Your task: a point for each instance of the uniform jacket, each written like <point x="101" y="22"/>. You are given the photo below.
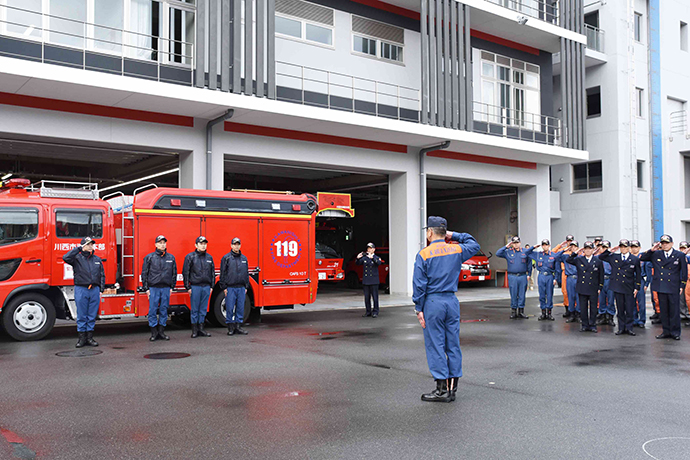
<point x="517" y="260"/>
<point x="670" y="274"/>
<point x="370" y="274"/>
<point x="437" y="267"/>
<point x="647" y="272"/>
<point x="545" y="263"/>
<point x="590" y="275"/>
<point x="625" y="276"/>
<point x="88" y="268"/>
<point x="198" y="270"/>
<point x="570" y="270"/>
<point x="159" y="270"/>
<point x="234" y="271"/>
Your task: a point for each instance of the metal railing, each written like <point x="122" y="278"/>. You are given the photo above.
<point x="595" y="38"/>
<point x="516" y="124"/>
<point x="679" y="124"/>
<point x="547" y="10"/>
<point x="68" y="33"/>
<point x="346" y="92"/>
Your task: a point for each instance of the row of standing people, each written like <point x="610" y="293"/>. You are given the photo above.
<point x="159" y="277"/>
<point x="601" y="279"/>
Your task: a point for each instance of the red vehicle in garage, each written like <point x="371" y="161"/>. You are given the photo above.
<point x="475" y="269"/>
<point x="38" y="225"/>
<point x="329" y="262"/>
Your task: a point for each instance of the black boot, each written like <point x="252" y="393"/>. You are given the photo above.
<point x="611" y="321"/>
<point x="654" y="316"/>
<point x="82" y="340"/>
<point x="513" y="313"/>
<point x="453" y="387"/>
<point x="521" y="313"/>
<point x="161" y="333"/>
<point x="567" y="313"/>
<point x="231" y="328"/>
<point x="195" y="330"/>
<point x="154" y="334"/>
<point x="542" y="317"/>
<point x="574" y="318"/>
<point x="549" y="316"/>
<point x="440" y="394"/>
<point x="89" y="339"/>
<point x="202" y="332"/>
<point x="239" y="330"/>
<point x="602" y="319"/>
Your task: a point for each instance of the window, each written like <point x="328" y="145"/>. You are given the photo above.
<point x="594" y="102"/>
<point x="638" y="27"/>
<point x="377" y="39"/>
<point x="587" y="176"/>
<point x="639" y="101"/>
<point x="296" y="28"/>
<point x="18" y="225"/>
<point x="319" y="34"/>
<point x="289" y="27"/>
<point x="640" y="174"/>
<point x="305" y="21"/>
<point x="364" y="45"/>
<point x="21" y="17"/>
<point x="683" y="36"/>
<point x="392" y="52"/>
<point x="78" y="224"/>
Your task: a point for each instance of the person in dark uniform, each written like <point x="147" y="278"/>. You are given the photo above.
<point x="670" y="278"/>
<point x="640" y="312"/>
<point x="89" y="283"/>
<point x="519" y="264"/>
<point x="158" y="278"/>
<point x="234" y="280"/>
<point x="561" y="277"/>
<point x="370" y="279"/>
<point x="436" y="272"/>
<point x="590" y="280"/>
<point x="199" y="275"/>
<point x="687" y="288"/>
<point x="625" y="283"/>
<point x="607" y="309"/>
<point x="546" y="266"/>
<point x="683" y="247"/>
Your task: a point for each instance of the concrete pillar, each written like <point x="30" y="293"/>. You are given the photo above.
<point x="405" y="228"/>
<point x="193" y="169"/>
<point x="534" y="209"/>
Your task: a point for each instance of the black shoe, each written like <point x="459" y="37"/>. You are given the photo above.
<point x="89" y="339"/>
<point x="656" y="321"/>
<point x="440" y="394"/>
<point x="567" y="313"/>
<point x="664" y="336"/>
<point x="154" y="334"/>
<point x="542" y="317"/>
<point x="641" y="326"/>
<point x="675" y="337"/>
<point x="366" y="314"/>
<point x="453" y="387"/>
<point x="82" y="340"/>
<point x="549" y="316"/>
<point x="374" y="315"/>
<point x="231" y="328"/>
<point x="654" y="316"/>
<point x="161" y="333"/>
<point x="583" y="329"/>
<point x="202" y="332"/>
<point x="195" y="331"/>
<point x="620" y="332"/>
<point x="239" y="330"/>
<point x="593" y="329"/>
<point x="574" y="318"/>
<point x="630" y="332"/>
<point x="611" y="320"/>
<point x="521" y="313"/>
<point x="513" y="313"/>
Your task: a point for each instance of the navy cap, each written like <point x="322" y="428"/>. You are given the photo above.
<point x="598" y="238"/>
<point x="436" y="221"/>
<point x="606" y="243"/>
<point x="683" y="244"/>
<point x="589" y="244"/>
<point x="666" y="239"/>
<point x="161" y="238"/>
<point x="574" y="243"/>
<point x="545" y="241"/>
<point x="236" y="240"/>
<point x="371" y="245"/>
<point x="569" y="238"/>
<point x="635" y="243"/>
<point x="624" y="243"/>
<point x="201" y="239"/>
<point x="86" y="240"/>
<point x="515" y="239"/>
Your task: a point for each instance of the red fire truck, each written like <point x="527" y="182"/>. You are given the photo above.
<point x="39" y="224"/>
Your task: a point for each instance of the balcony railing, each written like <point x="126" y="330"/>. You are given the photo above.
<point x="547" y="10"/>
<point x="516" y="124"/>
<point x="59" y="40"/>
<point x="595" y="38"/>
<point x="679" y="125"/>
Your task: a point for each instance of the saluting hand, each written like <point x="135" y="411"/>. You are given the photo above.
<point x="614" y="249"/>
<point x="656" y="246"/>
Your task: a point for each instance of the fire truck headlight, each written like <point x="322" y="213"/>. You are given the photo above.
<point x="465" y="267"/>
<point x="340" y="275"/>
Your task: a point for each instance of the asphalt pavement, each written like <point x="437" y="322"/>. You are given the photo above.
<point x="332" y="384"/>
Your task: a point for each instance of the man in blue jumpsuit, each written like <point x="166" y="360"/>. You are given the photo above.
<point x="607" y="309"/>
<point x="640" y="312"/>
<point x="519" y="264"/>
<point x="625" y="283"/>
<point x="683" y="247"/>
<point x="571" y="282"/>
<point x="436" y="272"/>
<point x="590" y="280"/>
<point x="546" y="266"/>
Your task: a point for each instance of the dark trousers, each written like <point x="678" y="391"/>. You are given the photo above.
<point x="625" y="303"/>
<point x="588" y="309"/>
<point x="669" y="310"/>
<point x="371" y="290"/>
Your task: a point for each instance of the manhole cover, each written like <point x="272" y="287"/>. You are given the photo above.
<point x="166" y="355"/>
<point x="79" y="353"/>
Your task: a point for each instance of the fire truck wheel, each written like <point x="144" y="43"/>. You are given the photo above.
<point x="251" y="314"/>
<point x="29" y="316"/>
<point x="352" y="281"/>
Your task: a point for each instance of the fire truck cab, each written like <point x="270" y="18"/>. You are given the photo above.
<point x="39" y="224"/>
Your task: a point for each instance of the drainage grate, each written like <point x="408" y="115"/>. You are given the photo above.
<point x="79" y="353"/>
<point x="170" y="355"/>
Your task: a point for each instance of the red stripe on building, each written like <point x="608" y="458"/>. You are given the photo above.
<point x="313" y="137"/>
<point x="504" y="42"/>
<point x="34" y="102"/>
<point x="379" y="5"/>
<point x="482" y="159"/>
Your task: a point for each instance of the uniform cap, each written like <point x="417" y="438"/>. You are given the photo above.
<point x="201" y="239"/>
<point x="635" y="244"/>
<point x="569" y="238"/>
<point x="589" y="244"/>
<point x="515" y="239"/>
<point x="683" y="244"/>
<point x="236" y="240"/>
<point x="574" y="243"/>
<point x="624" y="243"/>
<point x="86" y="240"/>
<point x="161" y="238"/>
<point x="436" y="221"/>
<point x="545" y="241"/>
<point x="371" y="245"/>
<point x="606" y="243"/>
<point x="666" y="239"/>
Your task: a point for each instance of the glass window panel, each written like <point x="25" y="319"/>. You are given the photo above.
<point x="503" y="73"/>
<point x="580" y="177"/>
<point x="595" y="178"/>
<point x="518" y="64"/>
<point x="532" y="80"/>
<point x="181" y="36"/>
<point x="488" y="110"/>
<point x="18" y="225"/>
<point x="144" y="29"/>
<point x="364" y="45"/>
<point x="289" y="27"/>
<point x="640" y="174"/>
<point x="319" y="34"/>
<point x="108" y="23"/>
<point x="519" y="77"/>
<point x="487" y="69"/>
<point x="66" y="22"/>
<point x="487" y="56"/>
<point x="26" y="23"/>
<point x="75" y="224"/>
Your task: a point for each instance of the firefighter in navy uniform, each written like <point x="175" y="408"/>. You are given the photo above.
<point x="625" y="283"/>
<point x="158" y="278"/>
<point x="670" y="278"/>
<point x="370" y="279"/>
<point x="683" y="247"/>
<point x="199" y="275"/>
<point x="640" y="312"/>
<point x="234" y="280"/>
<point x="546" y="266"/>
<point x="519" y="264"/>
<point x="89" y="283"/>
<point x="607" y="309"/>
<point x="590" y="280"/>
<point x="436" y="272"/>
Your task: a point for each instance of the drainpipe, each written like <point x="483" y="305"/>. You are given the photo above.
<point x="422" y="186"/>
<point x="209" y="143"/>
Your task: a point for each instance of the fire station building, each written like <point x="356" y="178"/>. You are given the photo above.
<point x="414" y="107"/>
